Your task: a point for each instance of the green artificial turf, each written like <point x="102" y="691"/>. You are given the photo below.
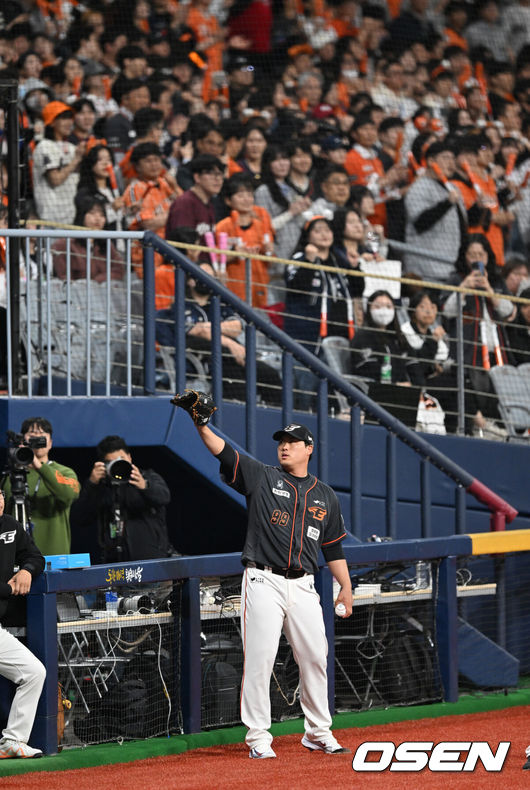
<point x="108" y="753"/>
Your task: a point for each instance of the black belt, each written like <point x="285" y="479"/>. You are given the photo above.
<point x="287" y="573"/>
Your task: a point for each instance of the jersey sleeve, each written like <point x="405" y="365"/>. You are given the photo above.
<point x="47" y="156"/>
<point x="335" y="530"/>
<point x="240" y="472"/>
<point x="61" y="481"/>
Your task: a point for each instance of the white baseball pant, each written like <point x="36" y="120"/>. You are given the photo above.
<point x="270" y="603"/>
<point x="18" y="664"/>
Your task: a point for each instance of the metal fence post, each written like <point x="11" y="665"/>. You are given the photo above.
<point x="287" y="387"/>
<point x="217" y="361"/>
<point x="191" y="675"/>
<point x="42" y="641"/>
<point x="355" y="472"/>
<point x="391" y="495"/>
<point x="460" y="373"/>
<point x="149" y="320"/>
<point x="444" y="592"/>
<point x="324" y="587"/>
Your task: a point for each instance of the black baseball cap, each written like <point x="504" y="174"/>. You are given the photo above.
<point x="299" y="432"/>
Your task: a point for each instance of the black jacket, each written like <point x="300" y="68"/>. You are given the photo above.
<point x="369" y="347"/>
<point x="143" y="512"/>
<point x="16" y="549"/>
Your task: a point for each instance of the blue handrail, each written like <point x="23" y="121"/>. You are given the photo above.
<point x="501" y="510"/>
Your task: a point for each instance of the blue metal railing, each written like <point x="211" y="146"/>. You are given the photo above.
<point x="42" y="614"/>
<point x="501" y="510"/>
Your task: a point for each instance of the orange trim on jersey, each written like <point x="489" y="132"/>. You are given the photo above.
<point x="235" y="467"/>
<point x="294" y="519"/>
<point x="303" y="517"/>
<point x="329" y="542"/>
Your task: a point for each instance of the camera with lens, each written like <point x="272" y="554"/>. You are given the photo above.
<point x="135" y="603"/>
<point x="119" y="470"/>
<point x="20" y="452"/>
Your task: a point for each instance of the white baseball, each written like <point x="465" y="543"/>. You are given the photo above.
<point x="340" y="610"/>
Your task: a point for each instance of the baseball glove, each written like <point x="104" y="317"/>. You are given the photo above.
<point x="199" y="405"/>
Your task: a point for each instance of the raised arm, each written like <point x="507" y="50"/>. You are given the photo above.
<point x="211" y="441"/>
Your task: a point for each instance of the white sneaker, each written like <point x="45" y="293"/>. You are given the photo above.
<point x="256" y="754"/>
<point x="9" y="748"/>
<point x="329" y="746"/>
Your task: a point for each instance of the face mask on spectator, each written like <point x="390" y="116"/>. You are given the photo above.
<point x="382" y="316"/>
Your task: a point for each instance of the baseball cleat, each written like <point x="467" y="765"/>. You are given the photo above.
<point x="526" y="766"/>
<point x="9" y="748"/>
<point x="330" y="746"/>
<point x="255" y="754"/>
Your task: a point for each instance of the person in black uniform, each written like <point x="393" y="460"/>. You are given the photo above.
<point x="17" y="663"/>
<point x="129" y="506"/>
<point x="291" y="515"/>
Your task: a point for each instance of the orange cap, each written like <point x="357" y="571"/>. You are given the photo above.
<point x="52" y="111"/>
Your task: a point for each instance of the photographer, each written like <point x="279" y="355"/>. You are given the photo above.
<point x="17" y="663"/>
<point x="128" y="505"/>
<point x="51" y="489"/>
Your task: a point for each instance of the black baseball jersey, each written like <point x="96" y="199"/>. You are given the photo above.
<point x="289" y="518"/>
<point x="16" y="548"/>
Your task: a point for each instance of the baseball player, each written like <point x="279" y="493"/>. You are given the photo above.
<point x="526" y="766"/>
<point x="17" y="663"/>
<point x="291" y="515"/>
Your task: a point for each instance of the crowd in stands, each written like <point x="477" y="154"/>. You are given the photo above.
<point x="328" y="131"/>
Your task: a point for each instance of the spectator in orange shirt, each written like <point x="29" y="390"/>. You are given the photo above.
<point x="456" y="17"/>
<point x="210" y="35"/>
<point x="249" y="229"/>
<point x="148" y="123"/>
<point x="148" y="199"/>
<point x="366" y="169"/>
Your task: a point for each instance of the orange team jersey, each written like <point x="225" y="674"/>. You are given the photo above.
<point x="494" y="235"/>
<point x="360" y="170"/>
<point x="469" y="196"/>
<point x="494" y="232"/>
<point x="154" y="198"/>
<point x="233" y="167"/>
<point x="205" y="26"/>
<point x="453" y="39"/>
<point x="343" y="28"/>
<point x="127" y="168"/>
<point x="253" y="236"/>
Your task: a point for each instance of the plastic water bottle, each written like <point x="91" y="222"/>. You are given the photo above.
<point x="386" y="370"/>
<point x="111" y="602"/>
<point x="423" y="575"/>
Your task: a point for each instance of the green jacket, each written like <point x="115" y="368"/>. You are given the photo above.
<point x="52" y="489"/>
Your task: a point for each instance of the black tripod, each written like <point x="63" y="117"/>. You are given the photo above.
<point x="18" y="505"/>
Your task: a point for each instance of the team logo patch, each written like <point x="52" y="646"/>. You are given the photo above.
<point x="292" y="427"/>
<point x="280" y="492"/>
<point x="279" y="484"/>
<point x="313" y="533"/>
<point x="8" y="537"/>
<point x="317" y="512"/>
<point x="319" y="502"/>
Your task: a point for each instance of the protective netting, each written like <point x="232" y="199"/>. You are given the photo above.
<point x="386" y="653"/>
<point x="119" y="663"/>
<point x="493" y="642"/>
<point x="222" y="659"/>
<point x="238" y="124"/>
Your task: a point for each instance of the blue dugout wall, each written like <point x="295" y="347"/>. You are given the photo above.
<point x="165" y="439"/>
